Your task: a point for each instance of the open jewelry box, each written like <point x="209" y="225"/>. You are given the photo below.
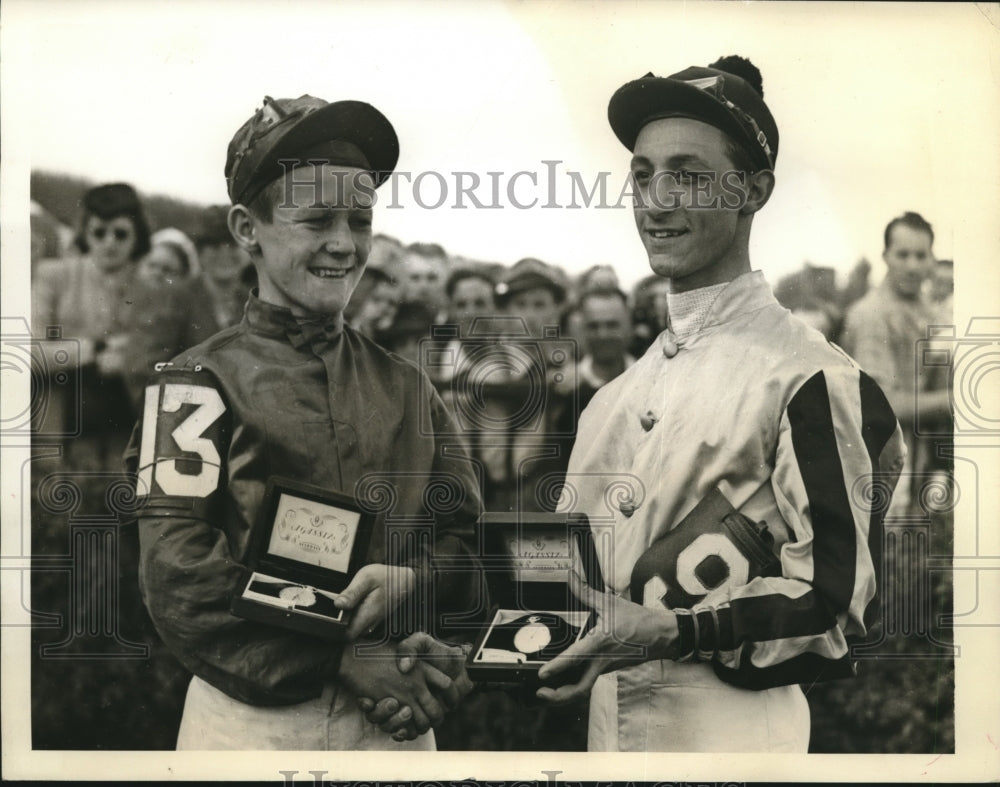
<point x="305" y="547"/>
<point x="527" y="560"/>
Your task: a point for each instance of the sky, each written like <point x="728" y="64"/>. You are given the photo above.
<point x="881" y="109"/>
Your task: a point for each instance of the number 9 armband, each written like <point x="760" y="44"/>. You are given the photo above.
<point x="183" y="436"/>
<point x="712" y="548"/>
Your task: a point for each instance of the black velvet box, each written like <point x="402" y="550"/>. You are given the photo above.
<point x="305" y="547"/>
<point x="527" y="560"/>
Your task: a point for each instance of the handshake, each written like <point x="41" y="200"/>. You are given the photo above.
<point x="404" y="687"/>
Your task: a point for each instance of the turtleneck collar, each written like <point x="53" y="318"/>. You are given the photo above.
<point x="271" y="320"/>
<point x="709" y="306"/>
<point x="687" y="310"/>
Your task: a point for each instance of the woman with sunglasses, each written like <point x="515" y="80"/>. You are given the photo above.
<point x="104" y="328"/>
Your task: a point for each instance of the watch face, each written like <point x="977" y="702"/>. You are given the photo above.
<point x="298" y="596"/>
<point x="518" y="637"/>
<point x="539" y="635"/>
<point x="532" y="636"/>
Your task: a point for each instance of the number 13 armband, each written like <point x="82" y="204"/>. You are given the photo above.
<point x="184" y="437"/>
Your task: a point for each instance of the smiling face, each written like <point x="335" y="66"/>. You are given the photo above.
<point x="313" y="250"/>
<point x="691" y="208"/>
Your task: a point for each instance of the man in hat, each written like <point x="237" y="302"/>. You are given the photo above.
<point x="532" y="292"/>
<point x="736" y="396"/>
<point x="292" y="392"/>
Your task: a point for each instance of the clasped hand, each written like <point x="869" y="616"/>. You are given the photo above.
<point x="417" y="680"/>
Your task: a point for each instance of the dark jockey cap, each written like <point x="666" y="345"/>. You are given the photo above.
<point x="290" y="132"/>
<point x="719" y="98"/>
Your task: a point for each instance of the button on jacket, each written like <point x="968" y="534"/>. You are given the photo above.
<point x="793" y="433"/>
<point x="309" y="400"/>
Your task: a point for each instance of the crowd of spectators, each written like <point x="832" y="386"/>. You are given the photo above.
<point x="516" y="351"/>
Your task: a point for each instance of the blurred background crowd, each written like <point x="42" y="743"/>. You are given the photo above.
<point x="516" y="348"/>
<point x="492" y="336"/>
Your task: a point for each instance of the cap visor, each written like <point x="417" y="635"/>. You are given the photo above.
<point x="653" y="98"/>
<point x="348" y="121"/>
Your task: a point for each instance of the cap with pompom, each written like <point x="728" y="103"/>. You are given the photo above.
<point x="728" y="95"/>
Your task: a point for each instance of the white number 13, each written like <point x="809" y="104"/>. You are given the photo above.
<point x="187" y="436"/>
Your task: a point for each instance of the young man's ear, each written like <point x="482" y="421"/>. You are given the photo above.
<point x="243" y="228"/>
<point x="760" y="186"/>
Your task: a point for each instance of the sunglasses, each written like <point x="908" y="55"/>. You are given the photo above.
<point x="119" y="234"/>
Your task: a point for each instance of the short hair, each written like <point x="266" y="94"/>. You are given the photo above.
<point x="426" y="250"/>
<point x="459" y="275"/>
<point x="112" y="201"/>
<point x="262" y="205"/>
<point x="604" y="292"/>
<point x="740" y="156"/>
<point x="909" y="219"/>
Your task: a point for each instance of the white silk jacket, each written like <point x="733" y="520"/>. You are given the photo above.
<point x="793" y="433"/>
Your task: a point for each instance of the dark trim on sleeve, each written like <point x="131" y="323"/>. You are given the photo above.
<point x="878" y="424"/>
<point x="687" y="640"/>
<point x="815" y="444"/>
<point x="774" y="616"/>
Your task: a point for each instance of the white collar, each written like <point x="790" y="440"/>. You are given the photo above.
<point x="687" y="311"/>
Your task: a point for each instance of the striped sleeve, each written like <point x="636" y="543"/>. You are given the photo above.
<point x="838" y="436"/>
